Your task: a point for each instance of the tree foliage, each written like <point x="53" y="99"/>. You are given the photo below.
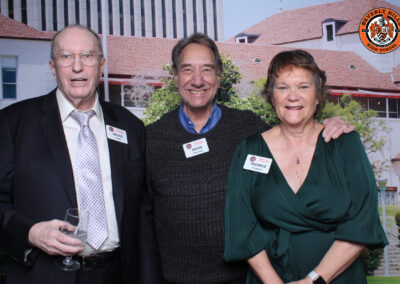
<point x="365" y="125"/>
<point x="372" y="259"/>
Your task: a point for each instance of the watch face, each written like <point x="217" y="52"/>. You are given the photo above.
<point x="319" y="280"/>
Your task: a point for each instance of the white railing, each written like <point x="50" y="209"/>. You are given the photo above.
<point x="393" y="252"/>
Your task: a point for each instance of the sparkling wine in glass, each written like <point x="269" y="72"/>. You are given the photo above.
<point x="80" y="221"/>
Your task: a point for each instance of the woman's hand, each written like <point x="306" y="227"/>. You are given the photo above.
<point x="334" y="127"/>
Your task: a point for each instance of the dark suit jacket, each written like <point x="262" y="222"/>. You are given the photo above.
<point x="36" y="184"/>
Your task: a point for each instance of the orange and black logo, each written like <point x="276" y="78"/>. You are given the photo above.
<point x="379" y="30"/>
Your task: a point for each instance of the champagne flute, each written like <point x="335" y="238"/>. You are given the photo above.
<point x="80" y="222"/>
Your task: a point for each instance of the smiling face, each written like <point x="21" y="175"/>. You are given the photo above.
<point x="197" y="79"/>
<point x="294" y="95"/>
<point x="77" y="82"/>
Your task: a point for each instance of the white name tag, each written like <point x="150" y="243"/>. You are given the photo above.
<point x="116" y="134"/>
<point x="257" y="164"/>
<point x="195" y="148"/>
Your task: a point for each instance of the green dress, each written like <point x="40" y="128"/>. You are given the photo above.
<point x="337" y="201"/>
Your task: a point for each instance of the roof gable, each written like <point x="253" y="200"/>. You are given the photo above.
<point x="282" y="28"/>
<point x="14" y="29"/>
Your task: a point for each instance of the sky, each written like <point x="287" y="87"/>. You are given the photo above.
<point x="239" y="15"/>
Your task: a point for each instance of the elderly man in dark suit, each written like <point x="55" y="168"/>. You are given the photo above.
<point x="70" y="149"/>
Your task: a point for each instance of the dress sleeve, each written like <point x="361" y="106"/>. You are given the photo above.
<point x="244" y="236"/>
<point x="361" y="224"/>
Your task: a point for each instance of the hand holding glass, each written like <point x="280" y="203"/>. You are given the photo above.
<point x="79" y="220"/>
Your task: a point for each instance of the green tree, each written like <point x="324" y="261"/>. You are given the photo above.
<point x="167" y="98"/>
<point x="365" y="124"/>
<point x="372" y="259"/>
<point x="163" y="100"/>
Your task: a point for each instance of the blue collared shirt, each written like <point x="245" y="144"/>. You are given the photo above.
<point x="188" y="124"/>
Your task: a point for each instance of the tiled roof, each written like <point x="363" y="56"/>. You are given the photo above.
<point x="145" y="56"/>
<point x="133" y="56"/>
<point x="15" y="29"/>
<point x="396" y="74"/>
<point x="335" y="63"/>
<point x="138" y="55"/>
<point x="284" y="28"/>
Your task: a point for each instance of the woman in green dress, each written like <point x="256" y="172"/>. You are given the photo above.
<point x="298" y="209"/>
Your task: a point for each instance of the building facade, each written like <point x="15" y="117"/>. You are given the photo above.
<point x="140" y="18"/>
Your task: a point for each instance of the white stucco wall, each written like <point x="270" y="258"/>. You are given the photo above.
<point x="34" y="77"/>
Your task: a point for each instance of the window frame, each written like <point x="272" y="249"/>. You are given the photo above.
<point x="3" y="84"/>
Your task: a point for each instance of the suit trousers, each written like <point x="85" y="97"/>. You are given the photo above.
<point x="109" y="273"/>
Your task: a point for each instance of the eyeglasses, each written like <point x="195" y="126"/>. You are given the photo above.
<point x="88" y="58"/>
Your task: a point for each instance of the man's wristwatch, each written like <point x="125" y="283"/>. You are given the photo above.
<point x="316" y="278"/>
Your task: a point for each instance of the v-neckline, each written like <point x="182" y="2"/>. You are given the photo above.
<point x="279" y="171"/>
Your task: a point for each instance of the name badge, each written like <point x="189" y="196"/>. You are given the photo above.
<point x="257" y="164"/>
<point x="116" y="134"/>
<point x="195" y="148"/>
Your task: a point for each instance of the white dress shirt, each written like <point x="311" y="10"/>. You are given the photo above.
<point x="97" y="126"/>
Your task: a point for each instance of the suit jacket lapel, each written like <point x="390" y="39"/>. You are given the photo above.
<point x="116" y="152"/>
<point x="54" y="135"/>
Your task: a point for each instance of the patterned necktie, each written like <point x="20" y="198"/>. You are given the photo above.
<point x="89" y="184"/>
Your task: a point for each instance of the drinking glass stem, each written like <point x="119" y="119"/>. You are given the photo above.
<point x="68" y="260"/>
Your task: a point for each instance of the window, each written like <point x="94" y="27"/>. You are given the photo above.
<point x="205" y="16"/>
<point x="43" y="11"/>
<point x="174" y="18"/>
<point x="329" y="32"/>
<point x="121" y="17"/>
<point x="394" y="111"/>
<point x="194" y="16"/>
<point x="153" y="18"/>
<point x="66" y="20"/>
<point x="164" y="23"/>
<point x="215" y="19"/>
<point x="362" y="101"/>
<point x="184" y="18"/>
<point x="55" y="26"/>
<point x="241" y="39"/>
<point x="379" y="105"/>
<point x="376" y="104"/>
<point x="11" y="9"/>
<point x="110" y="16"/>
<point x="77" y="19"/>
<point x="99" y="20"/>
<point x="23" y="11"/>
<point x="143" y="17"/>
<point x="9" y="77"/>
<point x="88" y="15"/>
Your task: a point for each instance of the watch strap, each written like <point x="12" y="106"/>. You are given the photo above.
<point x="316" y="278"/>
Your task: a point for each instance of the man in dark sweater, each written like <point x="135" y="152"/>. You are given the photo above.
<point x="189" y="151"/>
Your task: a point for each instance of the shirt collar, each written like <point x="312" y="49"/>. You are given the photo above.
<point x="66" y="107"/>
<point x="188" y="124"/>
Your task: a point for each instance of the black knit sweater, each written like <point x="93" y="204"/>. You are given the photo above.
<point x="189" y="195"/>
